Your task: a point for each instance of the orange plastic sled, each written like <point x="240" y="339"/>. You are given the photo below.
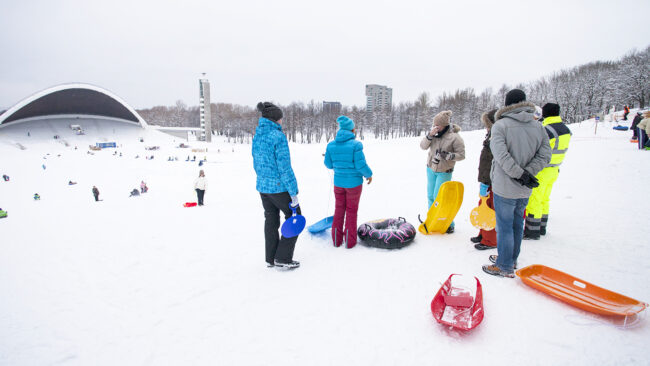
<point x="579" y="293"/>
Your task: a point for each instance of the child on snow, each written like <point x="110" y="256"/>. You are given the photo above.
<point x="486" y="239"/>
<point x="200" y="184"/>
<point x="345" y="155"/>
<point x="446" y="147"/>
<point x="276" y="184"/>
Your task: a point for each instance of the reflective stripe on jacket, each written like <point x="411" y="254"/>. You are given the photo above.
<point x="559" y="136"/>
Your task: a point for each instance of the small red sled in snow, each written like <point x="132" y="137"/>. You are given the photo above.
<point x="189" y="204"/>
<point x="459" y="303"/>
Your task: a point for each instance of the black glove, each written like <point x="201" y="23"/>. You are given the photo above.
<point x="528" y="180"/>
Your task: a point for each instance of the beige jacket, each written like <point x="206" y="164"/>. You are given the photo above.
<point x="645" y="125"/>
<point x="450" y="142"/>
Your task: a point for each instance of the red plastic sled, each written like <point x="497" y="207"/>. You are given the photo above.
<point x="189" y="204"/>
<point x="458" y="307"/>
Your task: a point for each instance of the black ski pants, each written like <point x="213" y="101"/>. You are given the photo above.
<point x="199" y="195"/>
<point x="277" y="248"/>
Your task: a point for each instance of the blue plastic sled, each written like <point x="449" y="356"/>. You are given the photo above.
<point x="620" y="128"/>
<point x="321" y="226"/>
<point x="294" y="225"/>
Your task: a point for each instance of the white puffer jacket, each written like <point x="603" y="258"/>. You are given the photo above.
<point x="200" y="183"/>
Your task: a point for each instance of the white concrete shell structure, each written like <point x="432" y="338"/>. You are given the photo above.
<point x="72" y="101"/>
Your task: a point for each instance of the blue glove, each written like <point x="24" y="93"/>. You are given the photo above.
<point x="483" y="192"/>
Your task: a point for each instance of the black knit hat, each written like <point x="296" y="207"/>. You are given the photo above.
<point x="270" y="111"/>
<point x="515" y="96"/>
<point x="550" y="110"/>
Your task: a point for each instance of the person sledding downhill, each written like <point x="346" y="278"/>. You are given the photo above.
<point x="520" y="150"/>
<point x="486" y="239"/>
<point x="538" y="205"/>
<point x="345" y="156"/>
<point x="276" y="184"/>
<point x="446" y="147"/>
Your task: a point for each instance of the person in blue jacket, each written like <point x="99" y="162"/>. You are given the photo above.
<point x="276" y="183"/>
<point x="345" y="155"/>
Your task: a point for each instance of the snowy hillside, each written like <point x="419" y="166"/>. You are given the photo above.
<point x="145" y="281"/>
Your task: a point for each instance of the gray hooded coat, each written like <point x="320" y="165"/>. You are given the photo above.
<point x="518" y="142"/>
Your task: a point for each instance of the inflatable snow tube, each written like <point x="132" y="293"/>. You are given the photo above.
<point x="387" y="233"/>
<point x="620" y="128"/>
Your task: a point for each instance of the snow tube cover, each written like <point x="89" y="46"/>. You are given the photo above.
<point x="387" y="233"/>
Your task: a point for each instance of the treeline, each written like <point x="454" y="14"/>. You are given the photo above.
<point x="582" y="91"/>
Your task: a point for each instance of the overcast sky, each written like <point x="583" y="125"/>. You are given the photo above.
<point x="153" y="52"/>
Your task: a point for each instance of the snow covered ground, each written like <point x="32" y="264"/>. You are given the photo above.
<point x="144" y="281"/>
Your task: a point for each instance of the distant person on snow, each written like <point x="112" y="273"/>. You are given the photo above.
<point x="446" y="147"/>
<point x="96" y="193"/>
<point x="644" y="131"/>
<point x="200" y="184"/>
<point x="143" y="187"/>
<point x="635" y="123"/>
<point x="345" y="155"/>
<point x="37" y="197"/>
<point x="626" y="111"/>
<point x="520" y="150"/>
<point x="559" y="136"/>
<point x="134" y="192"/>
<point x="276" y="184"/>
<point x="5" y="177"/>
<point x="71" y="183"/>
<point x="486" y="239"/>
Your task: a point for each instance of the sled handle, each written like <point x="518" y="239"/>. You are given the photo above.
<point x="400" y="218"/>
<point x="423" y="224"/>
<point x="368" y="227"/>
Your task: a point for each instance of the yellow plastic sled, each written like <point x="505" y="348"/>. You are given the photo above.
<point x="483" y="217"/>
<point x="444" y="208"/>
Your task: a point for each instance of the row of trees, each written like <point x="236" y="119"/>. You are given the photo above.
<point x="582" y="91"/>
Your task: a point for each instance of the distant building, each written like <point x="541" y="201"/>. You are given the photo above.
<point x="331" y="107"/>
<point x="204" y="110"/>
<point x="378" y="97"/>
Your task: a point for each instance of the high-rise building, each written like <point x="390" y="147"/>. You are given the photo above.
<point x="378" y="97"/>
<point x="204" y="109"/>
<point x="331" y="107"/>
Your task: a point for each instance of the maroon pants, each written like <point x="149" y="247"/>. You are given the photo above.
<point x="489" y="236"/>
<point x="347" y="204"/>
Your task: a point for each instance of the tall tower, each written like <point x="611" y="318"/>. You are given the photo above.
<point x="378" y="97"/>
<point x="204" y="109"/>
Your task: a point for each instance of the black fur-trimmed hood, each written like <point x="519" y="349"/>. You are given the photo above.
<point x="488" y="118"/>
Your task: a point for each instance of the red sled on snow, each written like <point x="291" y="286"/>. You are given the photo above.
<point x="459" y="303"/>
<point x="189" y="204"/>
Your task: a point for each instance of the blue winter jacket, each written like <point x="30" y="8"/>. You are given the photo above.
<point x="345" y="156"/>
<point x="271" y="159"/>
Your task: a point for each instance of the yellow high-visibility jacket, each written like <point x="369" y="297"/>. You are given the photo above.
<point x="559" y="136"/>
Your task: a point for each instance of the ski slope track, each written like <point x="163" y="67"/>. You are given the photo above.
<point x="145" y="281"/>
